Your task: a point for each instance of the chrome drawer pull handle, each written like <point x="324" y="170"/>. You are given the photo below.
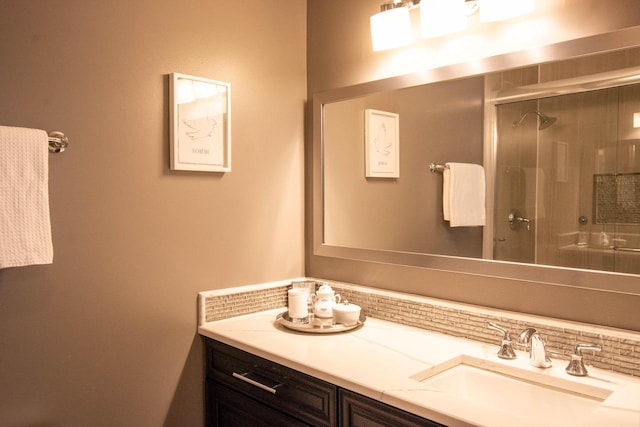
<point x="255" y="383"/>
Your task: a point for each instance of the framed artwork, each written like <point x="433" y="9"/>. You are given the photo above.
<point x="200" y="124"/>
<point x="382" y="144"/>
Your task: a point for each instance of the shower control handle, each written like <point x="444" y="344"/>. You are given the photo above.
<point x="514" y="219"/>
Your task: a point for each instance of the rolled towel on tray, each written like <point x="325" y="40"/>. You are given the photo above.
<point x="463" y="195"/>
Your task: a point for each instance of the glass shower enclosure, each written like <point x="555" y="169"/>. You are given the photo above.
<point x="567" y="180"/>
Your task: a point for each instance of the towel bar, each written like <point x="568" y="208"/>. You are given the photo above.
<point x="58" y="141"/>
<point x="437" y="168"/>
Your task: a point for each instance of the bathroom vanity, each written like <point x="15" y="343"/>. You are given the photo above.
<point x="243" y="389"/>
<point x="385" y="373"/>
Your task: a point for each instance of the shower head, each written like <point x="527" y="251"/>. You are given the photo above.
<point x="545" y="121"/>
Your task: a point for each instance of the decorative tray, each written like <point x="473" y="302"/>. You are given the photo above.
<point x="317" y="325"/>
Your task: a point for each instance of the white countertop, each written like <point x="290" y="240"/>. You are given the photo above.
<point x="380" y="358"/>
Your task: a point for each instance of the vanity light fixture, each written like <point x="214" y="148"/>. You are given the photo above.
<point x="439" y="17"/>
<point x="391" y="27"/>
<point x="636" y="120"/>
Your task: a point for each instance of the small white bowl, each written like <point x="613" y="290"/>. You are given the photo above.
<point x="346" y="314"/>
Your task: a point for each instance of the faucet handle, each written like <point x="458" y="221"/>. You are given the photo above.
<point x="576" y="365"/>
<point x="506" y="349"/>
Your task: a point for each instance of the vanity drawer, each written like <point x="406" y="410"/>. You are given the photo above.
<point x="229" y="408"/>
<point x="308" y="399"/>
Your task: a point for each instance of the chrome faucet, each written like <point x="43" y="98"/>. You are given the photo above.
<point x="576" y="365"/>
<point x="537" y="351"/>
<point x="506" y="349"/>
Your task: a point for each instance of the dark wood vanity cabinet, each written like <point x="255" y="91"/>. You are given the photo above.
<point x="243" y="390"/>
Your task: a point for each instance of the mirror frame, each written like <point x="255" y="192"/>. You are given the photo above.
<point x="561" y="276"/>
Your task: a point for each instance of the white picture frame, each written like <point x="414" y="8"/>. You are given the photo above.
<point x="382" y="144"/>
<point x="200" y="124"/>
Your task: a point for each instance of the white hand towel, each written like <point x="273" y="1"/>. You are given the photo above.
<point x="446" y="186"/>
<point x="25" y="226"/>
<point x="463" y="195"/>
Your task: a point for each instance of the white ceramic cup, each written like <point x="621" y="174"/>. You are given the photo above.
<point x="347" y="314"/>
<point x="298" y="304"/>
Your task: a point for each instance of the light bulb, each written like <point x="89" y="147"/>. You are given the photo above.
<point x="438" y="17"/>
<point x="391" y="28"/>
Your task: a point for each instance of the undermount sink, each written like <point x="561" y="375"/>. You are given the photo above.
<point x="526" y="393"/>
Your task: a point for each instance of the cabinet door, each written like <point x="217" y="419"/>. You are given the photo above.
<point x="360" y="411"/>
<point x="228" y="408"/>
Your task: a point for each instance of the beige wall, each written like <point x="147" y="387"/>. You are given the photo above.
<point x="106" y="335"/>
<point x="339" y="54"/>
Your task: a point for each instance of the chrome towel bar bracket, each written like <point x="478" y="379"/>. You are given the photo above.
<point x="433" y="167"/>
<point x="58" y="142"/>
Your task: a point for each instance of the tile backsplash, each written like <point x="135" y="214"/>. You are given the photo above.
<point x="620" y="348"/>
<point x="218" y="305"/>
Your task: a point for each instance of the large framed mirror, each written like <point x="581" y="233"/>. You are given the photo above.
<point x="463" y="113"/>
